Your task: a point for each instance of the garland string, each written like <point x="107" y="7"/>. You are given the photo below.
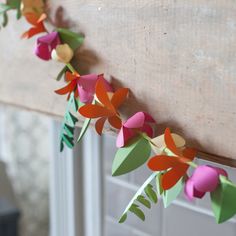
<point x="93" y="97"/>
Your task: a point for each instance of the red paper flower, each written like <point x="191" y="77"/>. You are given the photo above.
<point x="37" y="23"/>
<point x="175" y="166"/>
<point x="107" y="108"/>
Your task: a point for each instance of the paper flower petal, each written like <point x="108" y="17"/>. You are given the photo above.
<point x="115" y="121"/>
<point x="161" y="162"/>
<point x="46" y="44"/>
<point x="171" y="177"/>
<point x="100" y="124"/>
<point x="86" y="87"/>
<point x="84" y="96"/>
<point x="62" y="53"/>
<point x="205" y="179"/>
<point x="94" y="111"/>
<point x="170" y="142"/>
<point x="139" y="122"/>
<point x="123" y="136"/>
<point x="88" y="82"/>
<point x="160" y="144"/>
<point x="102" y="96"/>
<point x="29" y="6"/>
<point x="136" y="121"/>
<point x="191" y="192"/>
<point x="71" y="76"/>
<point x="220" y="171"/>
<point x="50" y="39"/>
<point x="42" y="51"/>
<point x="67" y="89"/>
<point x="119" y="97"/>
<point x="147" y="129"/>
<point x="37" y="22"/>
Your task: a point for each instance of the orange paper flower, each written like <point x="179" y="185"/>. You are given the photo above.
<point x="107" y="108"/>
<point x="37" y="23"/>
<point x="71" y="86"/>
<point x="175" y="166"/>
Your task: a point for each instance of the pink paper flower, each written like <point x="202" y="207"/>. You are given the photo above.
<point x="204" y="179"/>
<point x="46" y="44"/>
<point x="86" y="87"/>
<point x="139" y="122"/>
<point x="83" y="86"/>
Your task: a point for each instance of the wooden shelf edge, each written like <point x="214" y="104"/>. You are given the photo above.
<point x="217" y="159"/>
<point x="201" y="154"/>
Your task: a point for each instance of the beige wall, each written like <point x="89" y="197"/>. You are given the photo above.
<point x="177" y="57"/>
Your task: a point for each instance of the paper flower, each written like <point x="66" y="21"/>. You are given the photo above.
<point x="175" y="166"/>
<point x="37" y="23"/>
<point x="139" y="122"/>
<point x="204" y="179"/>
<point x="82" y="85"/>
<point x="29" y="6"/>
<point x="62" y="53"/>
<point x="46" y="44"/>
<point x="107" y="108"/>
<point x="159" y="146"/>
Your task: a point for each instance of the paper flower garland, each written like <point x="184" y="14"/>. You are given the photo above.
<point x="93" y="97"/>
<point x="46" y="44"/>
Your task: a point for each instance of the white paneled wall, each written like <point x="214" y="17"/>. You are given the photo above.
<point x="86" y="201"/>
<point x="24" y="152"/>
<point x="180" y="219"/>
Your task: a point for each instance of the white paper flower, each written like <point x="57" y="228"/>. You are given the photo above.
<point x="62" y="53"/>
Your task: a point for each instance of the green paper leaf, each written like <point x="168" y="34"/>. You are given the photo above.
<point x="170" y="195"/>
<point x="158" y="183"/>
<point x="68" y="140"/>
<point x="75" y="104"/>
<point x="61" y="73"/>
<point x="70" y="118"/>
<point x="14" y="4"/>
<point x="132" y="156"/>
<point x="223" y="200"/>
<point x="18" y="14"/>
<point x="123" y="218"/>
<point x="68" y="125"/>
<point x="144" y="201"/>
<point x="84" y="129"/>
<point x="137" y="211"/>
<point x="69" y="130"/>
<point x="151" y="194"/>
<point x="4" y="8"/>
<point x="73" y="39"/>
<point x="5" y="19"/>
<point x="61" y="145"/>
<point x="137" y="194"/>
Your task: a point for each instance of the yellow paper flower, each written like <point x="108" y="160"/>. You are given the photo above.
<point x="160" y="145"/>
<point x="29" y="6"/>
<point x="62" y="53"/>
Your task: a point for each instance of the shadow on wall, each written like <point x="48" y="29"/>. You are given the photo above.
<point x="9" y="214"/>
<point x="6" y="189"/>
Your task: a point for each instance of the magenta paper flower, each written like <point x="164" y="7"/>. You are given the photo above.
<point x="46" y="44"/>
<point x="139" y="122"/>
<point x="204" y="179"/>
